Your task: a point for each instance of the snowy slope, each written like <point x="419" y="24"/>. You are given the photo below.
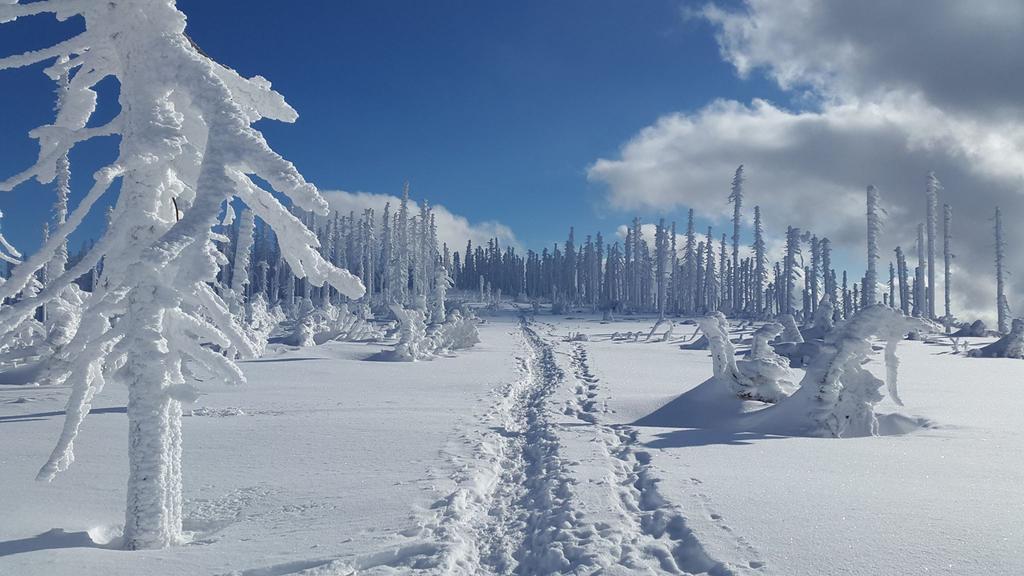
<point x="329" y="457"/>
<point x="520" y="456"/>
<point x="944" y="500"/>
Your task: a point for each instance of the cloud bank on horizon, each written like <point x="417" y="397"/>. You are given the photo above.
<point x="888" y="91"/>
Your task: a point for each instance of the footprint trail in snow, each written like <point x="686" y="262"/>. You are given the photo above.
<point x="516" y="509"/>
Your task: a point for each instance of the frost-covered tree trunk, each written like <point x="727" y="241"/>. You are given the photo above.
<point x="815" y="273"/>
<point x="187" y="146"/>
<point x="760" y="261"/>
<point x="790" y="267"/>
<point x="710" y="279"/>
<point x="402" y="256"/>
<point x="931" y="216"/>
<point x="901" y="270"/>
<point x="892" y="286"/>
<point x="439" y="292"/>
<point x="847" y="304"/>
<point x="736" y="198"/>
<point x="243" y="248"/>
<point x="661" y="247"/>
<point x="874" y="229"/>
<point x="920" y="294"/>
<point x="59" y="263"/>
<point x="690" y="266"/>
<point x="1002" y="307"/>
<point x="724" y="275"/>
<point x="947" y="260"/>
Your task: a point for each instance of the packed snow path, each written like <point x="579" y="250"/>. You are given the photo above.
<point x="521" y="506"/>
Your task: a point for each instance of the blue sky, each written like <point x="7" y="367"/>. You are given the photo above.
<point x="494" y="109"/>
<point x="543" y="114"/>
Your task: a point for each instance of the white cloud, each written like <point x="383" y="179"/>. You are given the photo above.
<point x="887" y="109"/>
<point x="453" y="229"/>
<point x="962" y="55"/>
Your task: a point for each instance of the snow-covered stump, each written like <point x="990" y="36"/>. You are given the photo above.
<point x="1009" y="346"/>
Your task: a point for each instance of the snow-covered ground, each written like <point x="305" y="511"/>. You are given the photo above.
<point x="523" y="456"/>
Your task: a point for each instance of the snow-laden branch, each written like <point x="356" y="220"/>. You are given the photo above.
<point x="22" y="274"/>
<point x="54" y="143"/>
<point x="86" y="373"/>
<point x="76" y="45"/>
<point x="299" y="244"/>
<point x="62" y="8"/>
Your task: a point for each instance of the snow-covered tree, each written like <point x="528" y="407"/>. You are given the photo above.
<point x="662" y="262"/>
<point x="736" y="198"/>
<point x="438" y="292"/>
<point x="902" y="274"/>
<point x="760" y="263"/>
<point x="874" y="229"/>
<point x="947" y="260"/>
<point x="187" y="145"/>
<point x="690" y="266"/>
<point x="790" y="268"/>
<point x="1002" y="307"/>
<point x="243" y="250"/>
<point x="931" y="216"/>
<point x="920" y="293"/>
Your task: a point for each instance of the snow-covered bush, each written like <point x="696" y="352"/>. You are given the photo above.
<point x="576" y="337"/>
<point x="260" y="322"/>
<point x="824" y="315"/>
<point x="723" y="354"/>
<point x="187" y="147"/>
<point x="459" y="332"/>
<point x="790" y="332"/>
<point x="768" y="373"/>
<point x="837" y="394"/>
<point x="412" y="343"/>
<point x="311" y="325"/>
<point x="418" y="342"/>
<point x="1009" y="346"/>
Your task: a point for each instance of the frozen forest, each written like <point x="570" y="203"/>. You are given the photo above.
<point x="210" y="364"/>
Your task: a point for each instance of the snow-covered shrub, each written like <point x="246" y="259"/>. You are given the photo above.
<point x="459" y="332"/>
<point x="837" y="395"/>
<point x="576" y="337"/>
<point x="260" y="322"/>
<point x="418" y="342"/>
<point x="823" y="320"/>
<point x="412" y="343"/>
<point x="311" y="325"/>
<point x="723" y="354"/>
<point x="768" y="373"/>
<point x="790" y="332"/>
<point x="1009" y="346"/>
